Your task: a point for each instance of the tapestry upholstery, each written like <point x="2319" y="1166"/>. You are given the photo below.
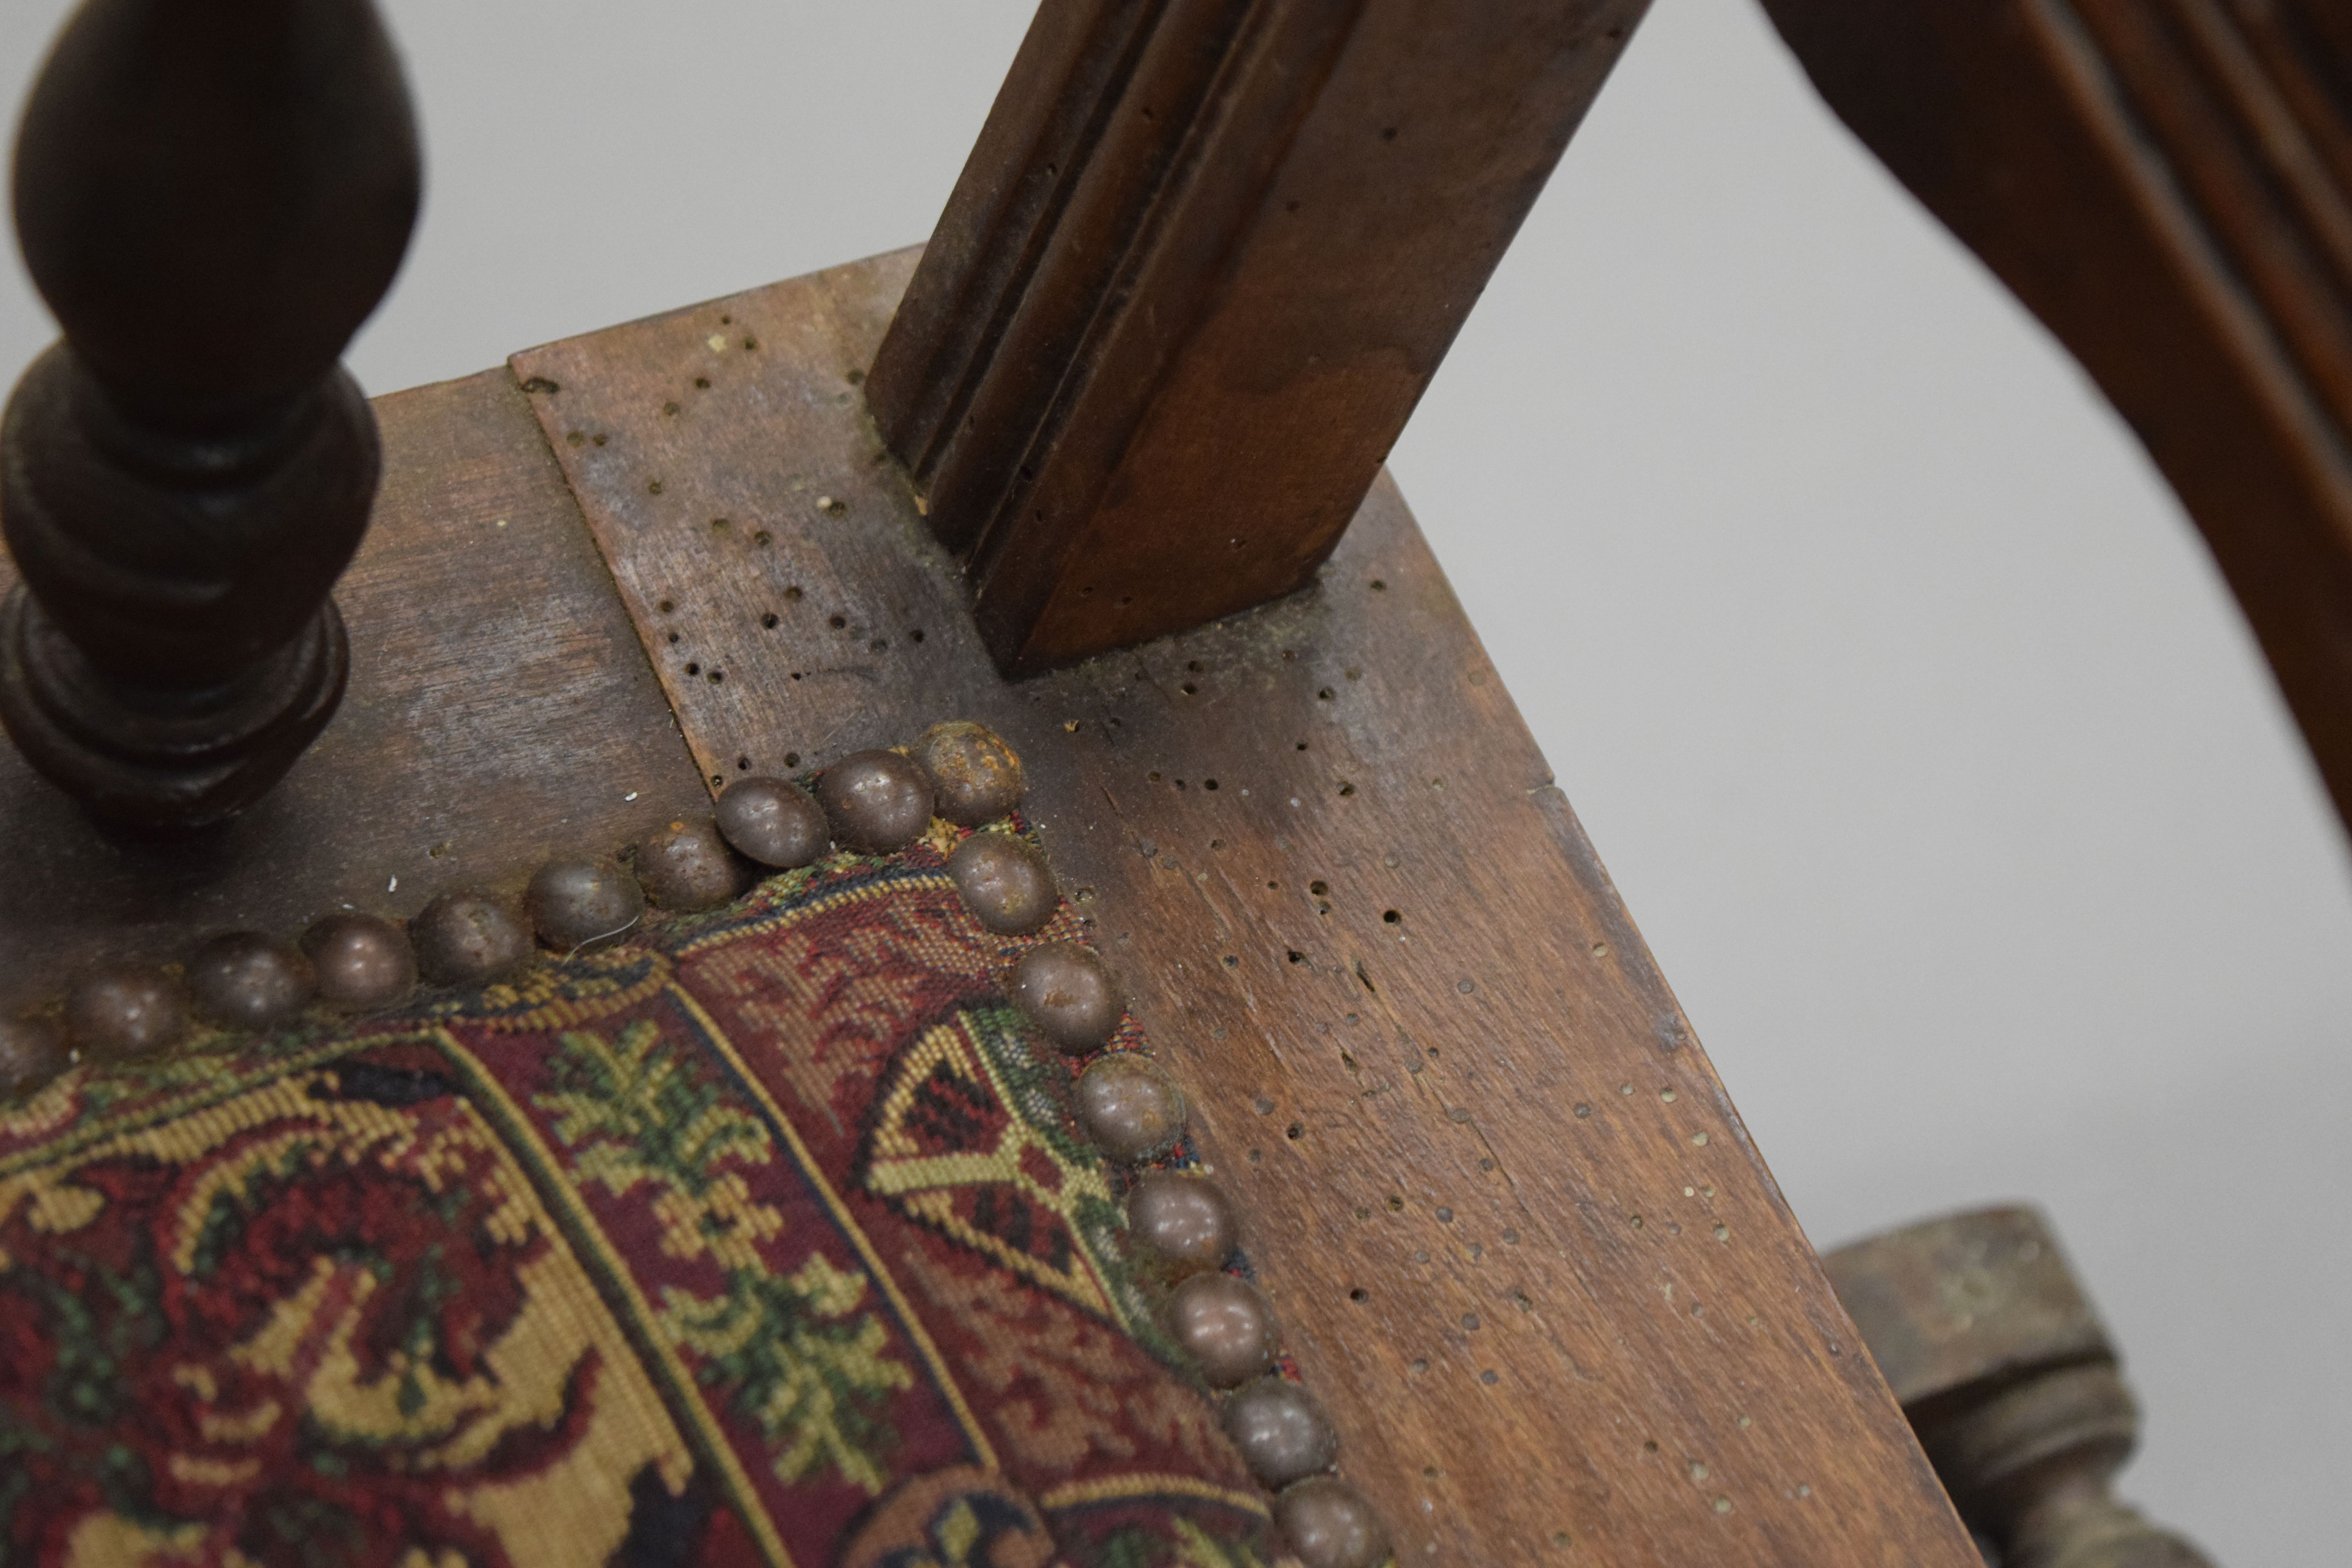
<point x="762" y="1238"/>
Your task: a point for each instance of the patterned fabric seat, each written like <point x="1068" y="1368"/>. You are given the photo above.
<point x="762" y="1238"/>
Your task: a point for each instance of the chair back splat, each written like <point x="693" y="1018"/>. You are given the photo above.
<point x="212" y="199"/>
<point x="1202" y="263"/>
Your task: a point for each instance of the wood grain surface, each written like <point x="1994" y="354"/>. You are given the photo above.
<point x="1199" y="267"/>
<point x="1520" y="1241"/>
<point x="499" y="707"/>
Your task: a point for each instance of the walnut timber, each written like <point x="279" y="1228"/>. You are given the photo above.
<point x="1202" y="263"/>
<point x="2167" y="185"/>
<point x="1462" y="1268"/>
<point x="212" y="199"/>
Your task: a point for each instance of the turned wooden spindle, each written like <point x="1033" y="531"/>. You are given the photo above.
<point x="2011" y="1382"/>
<point x="211" y="194"/>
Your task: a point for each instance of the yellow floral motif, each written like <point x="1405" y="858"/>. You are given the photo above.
<point x="831" y="1292"/>
<point x="591" y="986"/>
<point x="723" y="1220"/>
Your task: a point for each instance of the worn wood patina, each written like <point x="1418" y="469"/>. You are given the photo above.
<point x="1203" y="262"/>
<point x="499" y="707"/>
<point x="1518" y="1238"/>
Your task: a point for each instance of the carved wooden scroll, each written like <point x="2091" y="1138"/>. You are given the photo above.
<point x="2167" y="184"/>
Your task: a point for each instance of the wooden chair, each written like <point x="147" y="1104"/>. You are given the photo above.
<point x="1097" y="469"/>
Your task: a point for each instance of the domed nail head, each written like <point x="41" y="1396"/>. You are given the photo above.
<point x="575" y="902"/>
<point x="1004" y="882"/>
<point x="1182" y="1223"/>
<point x="1226" y="1325"/>
<point x="976" y="777"/>
<point x="687" y="866"/>
<point x="244" y="980"/>
<point x="1068" y="992"/>
<point x="1280" y="1430"/>
<point x="32" y="1052"/>
<point x="1329" y="1525"/>
<point x="875" y="801"/>
<point x="1130" y="1109"/>
<point x="123" y="1012"/>
<point x="775" y="822"/>
<point x="467" y="939"/>
<point x="361" y="962"/>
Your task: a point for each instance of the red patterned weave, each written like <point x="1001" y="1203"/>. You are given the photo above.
<point x="764" y="1239"/>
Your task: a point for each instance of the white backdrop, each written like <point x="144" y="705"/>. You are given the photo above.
<point x="1899" y="696"/>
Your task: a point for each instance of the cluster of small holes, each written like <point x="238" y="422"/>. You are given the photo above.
<point x="1295" y="1130"/>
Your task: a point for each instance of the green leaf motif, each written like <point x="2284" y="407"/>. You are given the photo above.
<point x="795" y="1354"/>
<point x="803" y="1363"/>
<point x="655" y="1121"/>
<point x="1193" y="1548"/>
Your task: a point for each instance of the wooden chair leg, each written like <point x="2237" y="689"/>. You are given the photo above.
<point x="2011" y="1382"/>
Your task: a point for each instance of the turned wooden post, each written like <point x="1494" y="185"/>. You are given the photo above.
<point x="211" y="194"/>
<point x="2011" y="1382"/>
<point x="1202" y="263"/>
